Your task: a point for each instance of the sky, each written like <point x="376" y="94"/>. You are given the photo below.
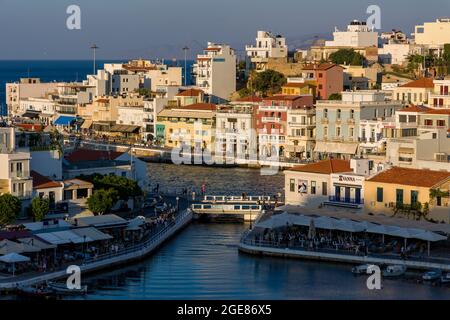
<point x="36" y="29"/>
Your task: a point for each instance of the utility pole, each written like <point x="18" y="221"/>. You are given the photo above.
<point x="94" y="48"/>
<point x="185" y="49"/>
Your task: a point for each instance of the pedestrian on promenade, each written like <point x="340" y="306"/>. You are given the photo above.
<point x="193" y="195"/>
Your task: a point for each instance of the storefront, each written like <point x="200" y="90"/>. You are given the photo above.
<point x="347" y="190"/>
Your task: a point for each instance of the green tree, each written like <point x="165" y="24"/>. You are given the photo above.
<point x="335" y="96"/>
<point x="39" y="208"/>
<point x="125" y="187"/>
<point x="267" y="82"/>
<point x="102" y="201"/>
<point x="347" y="56"/>
<point x="10" y="207"/>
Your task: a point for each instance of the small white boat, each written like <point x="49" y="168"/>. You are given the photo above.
<point x="61" y="288"/>
<point x="395" y="270"/>
<point x="361" y="269"/>
<point x="432" y="275"/>
<point x="445" y="278"/>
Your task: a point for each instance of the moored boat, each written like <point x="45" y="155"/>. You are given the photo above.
<point x="432" y="275"/>
<point x="61" y="288"/>
<point x="395" y="270"/>
<point x="361" y="269"/>
<point x="445" y="278"/>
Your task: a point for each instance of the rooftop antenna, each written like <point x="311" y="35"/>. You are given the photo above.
<point x="185" y="49"/>
<point x="94" y="48"/>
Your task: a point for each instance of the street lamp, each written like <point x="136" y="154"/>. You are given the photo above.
<point x="185" y="49"/>
<point x="178" y="207"/>
<point x="94" y="47"/>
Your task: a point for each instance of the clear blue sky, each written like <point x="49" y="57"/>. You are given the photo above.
<point x="36" y="29"/>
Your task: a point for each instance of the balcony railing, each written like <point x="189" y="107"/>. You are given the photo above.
<point x="345" y="200"/>
<point x="271" y="119"/>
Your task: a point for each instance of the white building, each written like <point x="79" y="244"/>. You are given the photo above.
<point x="15" y="168"/>
<point x="358" y="34"/>
<point x="396" y="53"/>
<point x="235" y="134"/>
<point x="215" y="72"/>
<point x="267" y="46"/>
<point x="433" y="34"/>
<point x="27" y="88"/>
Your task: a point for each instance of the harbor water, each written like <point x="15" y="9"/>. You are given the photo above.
<point x="203" y="261"/>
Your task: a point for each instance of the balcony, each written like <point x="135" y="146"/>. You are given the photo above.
<point x="324" y="121"/>
<point x="345" y="202"/>
<point x="271" y="119"/>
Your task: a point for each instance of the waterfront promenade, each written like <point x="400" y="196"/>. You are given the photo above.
<point x="107" y="260"/>
<point x="267" y="248"/>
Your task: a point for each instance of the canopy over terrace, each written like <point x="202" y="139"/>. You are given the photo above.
<point x="63" y="237"/>
<point x="348" y="225"/>
<point x="7" y="246"/>
<point x="376" y="219"/>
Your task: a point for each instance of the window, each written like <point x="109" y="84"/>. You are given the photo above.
<point x="352" y="114"/>
<point x="324" y="188"/>
<point x="338" y="131"/>
<point x="399" y="196"/>
<point x="379" y="194"/>
<point x="414" y="196"/>
<point x="325" y="131"/>
<point x="338" y="115"/>
<point x="325" y="113"/>
<point x="440" y="123"/>
<point x="313" y="187"/>
<point x="320" y="75"/>
<point x="292" y="185"/>
<point x="351" y="132"/>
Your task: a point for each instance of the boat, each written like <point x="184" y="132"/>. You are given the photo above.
<point x="61" y="288"/>
<point x="361" y="269"/>
<point x="432" y="275"/>
<point x="395" y="270"/>
<point x="445" y="278"/>
<point x="35" y="292"/>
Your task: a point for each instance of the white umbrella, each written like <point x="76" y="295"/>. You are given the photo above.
<point x="14" y="258"/>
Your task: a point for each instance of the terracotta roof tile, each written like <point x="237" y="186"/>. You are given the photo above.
<point x="414" y="108"/>
<point x="438" y="111"/>
<point x="419" y="83"/>
<point x="41" y="182"/>
<point x="91" y="155"/>
<point x="190" y="93"/>
<point x="199" y="106"/>
<point x="411" y="177"/>
<point x="325" y="167"/>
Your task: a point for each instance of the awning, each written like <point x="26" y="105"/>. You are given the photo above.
<point x="63" y="237"/>
<point x="87" y="124"/>
<point x="32" y="114"/>
<point x="125" y="128"/>
<point x="291" y="148"/>
<point x="92" y="233"/>
<point x="37" y="243"/>
<point x="406" y="150"/>
<point x="64" y="121"/>
<point x="7" y="246"/>
<point x="336" y="147"/>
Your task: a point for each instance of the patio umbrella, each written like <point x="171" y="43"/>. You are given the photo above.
<point x="14" y="258"/>
<point x="312" y="229"/>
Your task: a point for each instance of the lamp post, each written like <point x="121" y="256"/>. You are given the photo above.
<point x="94" y="47"/>
<point x="185" y="49"/>
<point x="178" y="207"/>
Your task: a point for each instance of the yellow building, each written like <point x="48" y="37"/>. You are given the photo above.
<point x="298" y="88"/>
<point x="415" y="92"/>
<point x="192" y="125"/>
<point x="403" y="187"/>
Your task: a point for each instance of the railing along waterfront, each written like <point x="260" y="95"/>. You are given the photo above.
<point x="154" y="239"/>
<point x="350" y="253"/>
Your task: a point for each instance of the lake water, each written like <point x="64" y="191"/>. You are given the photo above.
<point x="203" y="262"/>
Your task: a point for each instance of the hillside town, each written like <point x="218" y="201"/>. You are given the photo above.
<point x="356" y="125"/>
